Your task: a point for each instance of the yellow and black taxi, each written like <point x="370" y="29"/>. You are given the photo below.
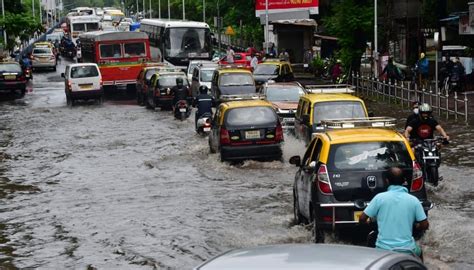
<point x="12" y="78"/>
<point x="246" y="129"/>
<point x="316" y="107"/>
<point x="144" y="80"/>
<point x="231" y="80"/>
<point x="273" y="69"/>
<point x="159" y="94"/>
<point x="343" y="169"/>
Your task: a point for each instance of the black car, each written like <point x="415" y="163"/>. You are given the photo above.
<point x="12" y="78"/>
<point x="275" y="70"/>
<point x="159" y="93"/>
<point x="231" y="82"/>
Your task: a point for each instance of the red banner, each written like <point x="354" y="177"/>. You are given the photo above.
<point x="286" y="4"/>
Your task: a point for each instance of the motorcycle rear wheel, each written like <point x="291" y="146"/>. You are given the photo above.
<point x="433" y="175"/>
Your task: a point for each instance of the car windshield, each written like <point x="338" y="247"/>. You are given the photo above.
<point x="7" y="68"/>
<point x="266" y="70"/>
<point x="84" y="72"/>
<point x="254" y="116"/>
<point x="290" y="93"/>
<point x="191" y="67"/>
<point x="236" y="79"/>
<point x="42" y="51"/>
<point x="206" y="75"/>
<point x="369" y="156"/>
<point x="338" y="110"/>
<point x="170" y="80"/>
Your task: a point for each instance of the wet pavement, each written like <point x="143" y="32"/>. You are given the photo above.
<point x="116" y="186"/>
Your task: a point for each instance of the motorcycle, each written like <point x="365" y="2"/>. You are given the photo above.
<point x="203" y="124"/>
<point x="428" y="156"/>
<point x="182" y="110"/>
<point x="28" y="73"/>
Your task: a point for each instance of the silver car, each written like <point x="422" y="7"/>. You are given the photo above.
<point x="43" y="57"/>
<point x="311" y="256"/>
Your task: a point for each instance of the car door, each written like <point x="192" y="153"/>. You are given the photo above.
<point x="214" y="136"/>
<point x="214" y="83"/>
<point x="300" y="186"/>
<point x="311" y="177"/>
<point x="154" y="81"/>
<point x="305" y="127"/>
<point x="195" y="82"/>
<point x="298" y="120"/>
<point x="66" y="78"/>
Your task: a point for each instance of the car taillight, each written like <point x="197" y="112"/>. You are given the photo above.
<point x="101" y="82"/>
<point x="279" y="133"/>
<point x="69" y="85"/>
<point x="323" y="180"/>
<point x="417" y="179"/>
<point x="224" y="136"/>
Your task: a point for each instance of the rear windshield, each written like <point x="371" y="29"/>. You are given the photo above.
<point x="338" y="110"/>
<point x="266" y="70"/>
<point x="254" y="116"/>
<point x="170" y="80"/>
<point x="206" y="75"/>
<point x="290" y="93"/>
<point x="13" y="68"/>
<point x="42" y="51"/>
<point x="369" y="156"/>
<point x="84" y="72"/>
<point x="235" y="79"/>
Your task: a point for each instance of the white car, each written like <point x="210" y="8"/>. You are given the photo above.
<point x="83" y="81"/>
<point x="43" y="57"/>
<point x="193" y="64"/>
<point x="202" y="75"/>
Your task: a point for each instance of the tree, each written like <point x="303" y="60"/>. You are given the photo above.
<point x="352" y="24"/>
<point x="18" y="25"/>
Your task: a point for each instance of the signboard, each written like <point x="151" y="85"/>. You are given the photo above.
<point x="283" y="6"/>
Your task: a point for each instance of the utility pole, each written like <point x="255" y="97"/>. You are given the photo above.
<point x="4" y="32"/>
<point x="376" y="54"/>
<point x="136" y="10"/>
<point x="169" y="11"/>
<point x="159" y="9"/>
<point x="149" y="5"/>
<point x="144" y="10"/>
<point x="266" y="27"/>
<point x="204" y="10"/>
<point x="184" y="11"/>
<point x="218" y="28"/>
<point x="33" y="8"/>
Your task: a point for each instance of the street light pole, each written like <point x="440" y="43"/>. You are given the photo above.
<point x="159" y="9"/>
<point x="149" y="6"/>
<point x="144" y="10"/>
<point x="376" y="55"/>
<point x="33" y="8"/>
<point x="184" y="11"/>
<point x="4" y="32"/>
<point x="169" y="11"/>
<point x="218" y="29"/>
<point x="204" y="10"/>
<point x="266" y="26"/>
<point x="136" y="9"/>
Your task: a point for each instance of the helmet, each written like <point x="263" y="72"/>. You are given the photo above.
<point x="422" y="55"/>
<point x="179" y="81"/>
<point x="425" y="108"/>
<point x="203" y="89"/>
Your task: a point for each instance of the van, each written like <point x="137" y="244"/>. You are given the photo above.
<point x="83" y="81"/>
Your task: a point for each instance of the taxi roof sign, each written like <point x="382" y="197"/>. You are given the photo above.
<point x="376" y="122"/>
<point x="330" y="88"/>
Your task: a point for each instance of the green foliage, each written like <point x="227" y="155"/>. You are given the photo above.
<point x="18" y="25"/>
<point x="351" y="23"/>
<point x="317" y="63"/>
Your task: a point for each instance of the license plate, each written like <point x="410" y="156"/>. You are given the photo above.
<point x="182" y="110"/>
<point x="286" y="120"/>
<point x="43" y="59"/>
<point x="357" y="215"/>
<point x="10" y="77"/>
<point x="454" y="83"/>
<point x="207" y="129"/>
<point x="252" y="134"/>
<point x="85" y="87"/>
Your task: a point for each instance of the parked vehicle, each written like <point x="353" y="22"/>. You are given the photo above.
<point x="310" y="256"/>
<point x="325" y="103"/>
<point x="12" y="78"/>
<point x="246" y="129"/>
<point x="43" y="57"/>
<point x="342" y="170"/>
<point x="284" y="97"/>
<point x="428" y="155"/>
<point x="83" y="81"/>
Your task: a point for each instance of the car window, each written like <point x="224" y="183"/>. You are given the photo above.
<point x="300" y="108"/>
<point x="170" y="80"/>
<point x="5" y="68"/>
<point x="338" y="110"/>
<point x="42" y="51"/>
<point x="309" y="151"/>
<point x="134" y="49"/>
<point x="266" y="70"/>
<point x="291" y="93"/>
<point x="317" y="151"/>
<point x="84" y="72"/>
<point x="369" y="156"/>
<point x="305" y="109"/>
<point x="235" y="79"/>
<point x="250" y="116"/>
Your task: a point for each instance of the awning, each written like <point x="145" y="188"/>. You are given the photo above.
<point x="325" y="37"/>
<point x="300" y="22"/>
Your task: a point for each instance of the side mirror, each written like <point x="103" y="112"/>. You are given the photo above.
<point x="371" y="114"/>
<point x="62" y="75"/>
<point x="295" y="160"/>
<point x="305" y="118"/>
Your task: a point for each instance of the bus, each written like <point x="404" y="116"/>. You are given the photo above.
<point x="84" y="10"/>
<point x="77" y="25"/>
<point x="177" y="42"/>
<point x="120" y="55"/>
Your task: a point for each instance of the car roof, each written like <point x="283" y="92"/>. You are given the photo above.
<point x="284" y="85"/>
<point x="246" y="103"/>
<point x="234" y="70"/>
<point x="301" y="257"/>
<point x="82" y="64"/>
<point x="314" y="98"/>
<point x="353" y="135"/>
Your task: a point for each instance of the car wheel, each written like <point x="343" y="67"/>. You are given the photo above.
<point x="222" y="156"/>
<point x="317" y="232"/>
<point x="299" y="219"/>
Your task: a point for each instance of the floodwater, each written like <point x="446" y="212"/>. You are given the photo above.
<point x="116" y="186"/>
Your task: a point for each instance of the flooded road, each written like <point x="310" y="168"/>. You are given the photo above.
<point x="116" y="186"/>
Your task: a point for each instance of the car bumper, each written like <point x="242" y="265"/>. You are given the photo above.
<point x="86" y="94"/>
<point x="8" y="86"/>
<point x="43" y="64"/>
<point x="271" y="151"/>
<point x="346" y="214"/>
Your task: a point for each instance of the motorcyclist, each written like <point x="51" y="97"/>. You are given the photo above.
<point x="25" y="61"/>
<point x="457" y="73"/>
<point x="204" y="103"/>
<point x="415" y="114"/>
<point x="424" y="125"/>
<point x="179" y="92"/>
<point x="396" y="211"/>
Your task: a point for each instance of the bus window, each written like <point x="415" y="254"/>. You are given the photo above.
<point x="110" y="51"/>
<point x="92" y="26"/>
<point x="79" y="27"/>
<point x="191" y="40"/>
<point x="134" y="49"/>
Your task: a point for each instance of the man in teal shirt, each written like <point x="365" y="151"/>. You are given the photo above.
<point x="396" y="211"/>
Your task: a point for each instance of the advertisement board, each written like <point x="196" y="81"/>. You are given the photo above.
<point x="282" y="6"/>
